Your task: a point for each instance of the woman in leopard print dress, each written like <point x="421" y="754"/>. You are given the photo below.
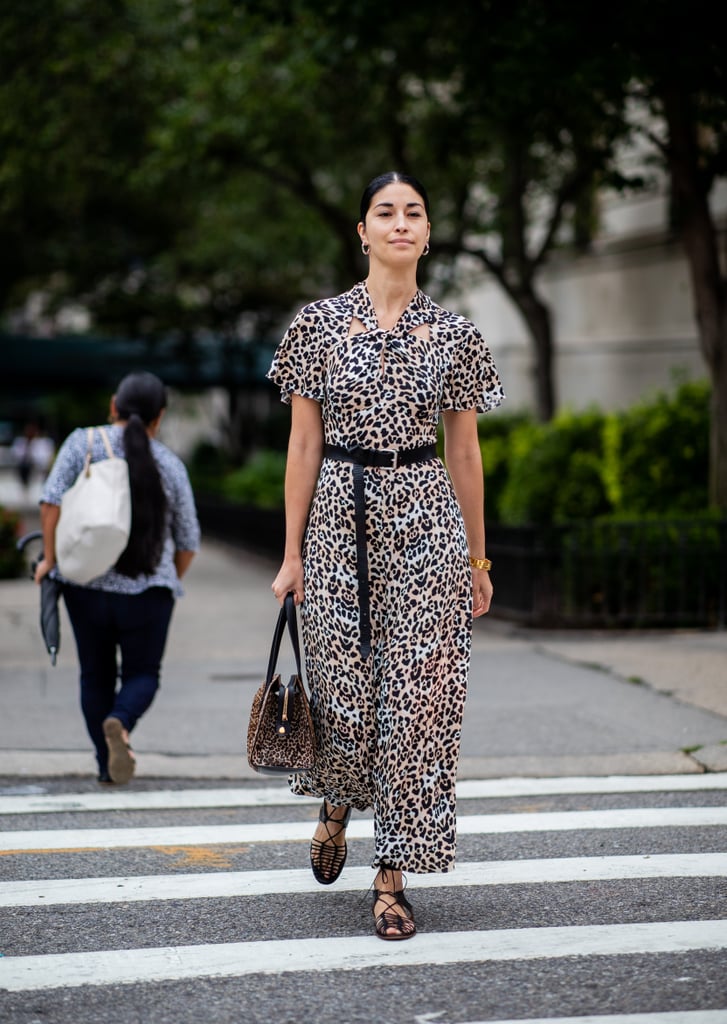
<point x="385" y="549"/>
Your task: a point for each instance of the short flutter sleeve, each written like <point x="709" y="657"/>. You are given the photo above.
<point x="299" y="365"/>
<point x="471" y="380"/>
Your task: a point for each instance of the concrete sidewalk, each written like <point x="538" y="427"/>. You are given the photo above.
<point x="540" y="704"/>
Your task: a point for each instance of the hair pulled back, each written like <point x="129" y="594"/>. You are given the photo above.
<point x="140" y="398"/>
<point x="391" y="178"/>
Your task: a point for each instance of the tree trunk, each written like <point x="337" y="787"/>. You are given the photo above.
<point x="709" y="288"/>
<point x="539" y="321"/>
<point x="718" y="437"/>
<point x="518" y="270"/>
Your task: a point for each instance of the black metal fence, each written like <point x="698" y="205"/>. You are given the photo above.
<point x="647" y="573"/>
<point x="258" y="529"/>
<point x="642" y="574"/>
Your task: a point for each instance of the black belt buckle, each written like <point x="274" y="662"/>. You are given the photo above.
<point x="381" y="458"/>
<point x="356" y="454"/>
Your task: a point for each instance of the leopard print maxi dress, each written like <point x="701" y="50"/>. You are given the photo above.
<point x="388" y="726"/>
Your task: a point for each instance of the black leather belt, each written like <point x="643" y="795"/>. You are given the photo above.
<point x="382" y="459"/>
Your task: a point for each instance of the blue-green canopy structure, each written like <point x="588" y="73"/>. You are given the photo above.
<point x="33" y="365"/>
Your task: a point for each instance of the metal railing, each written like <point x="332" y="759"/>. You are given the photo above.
<point x="640" y="574"/>
<point x="261" y="530"/>
<point x="646" y="573"/>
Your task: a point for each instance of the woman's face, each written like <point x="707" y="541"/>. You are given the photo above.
<point x="396" y="225"/>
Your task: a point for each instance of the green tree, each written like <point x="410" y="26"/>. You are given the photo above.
<point x="75" y="104"/>
<point x="679" y="74"/>
<point x="183" y="166"/>
<point x="532" y="118"/>
<point x="502" y="109"/>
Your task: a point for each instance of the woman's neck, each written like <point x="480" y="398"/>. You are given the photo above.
<point x="151" y="429"/>
<point x="390" y="295"/>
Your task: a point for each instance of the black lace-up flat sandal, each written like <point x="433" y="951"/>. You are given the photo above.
<point x="401" y="898"/>
<point x="326" y="856"/>
<point x="397" y="914"/>
<point x="391" y="918"/>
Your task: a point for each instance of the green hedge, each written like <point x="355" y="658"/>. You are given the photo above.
<point x="259" y="482"/>
<point x="645" y="572"/>
<point x="656" y="454"/>
<point x="12" y="562"/>
<point x="650" y="460"/>
<point x="208" y="467"/>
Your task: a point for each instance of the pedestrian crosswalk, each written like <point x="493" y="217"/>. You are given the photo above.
<point x="298" y="831"/>
<point x="146" y="888"/>
<point x="277" y="796"/>
<point x="652" y="843"/>
<point x="220" y="960"/>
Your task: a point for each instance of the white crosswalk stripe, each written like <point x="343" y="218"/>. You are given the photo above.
<point x="299" y="831"/>
<point x="137" y="889"/>
<point x="676" y="1017"/>
<point x="269" y="796"/>
<point x="132" y="966"/>
<point x="46" y="970"/>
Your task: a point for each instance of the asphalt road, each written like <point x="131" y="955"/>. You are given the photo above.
<point x="591" y="880"/>
<point x="538" y="704"/>
<point x="565" y="903"/>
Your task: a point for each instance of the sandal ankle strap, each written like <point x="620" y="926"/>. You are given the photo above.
<point x="324" y="816"/>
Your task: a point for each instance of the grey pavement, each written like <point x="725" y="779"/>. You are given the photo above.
<point x="540" y="704"/>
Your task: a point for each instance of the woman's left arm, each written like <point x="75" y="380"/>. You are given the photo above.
<point x="464" y="464"/>
<point x="185" y="522"/>
<point x="182" y="561"/>
<point x="49" y="516"/>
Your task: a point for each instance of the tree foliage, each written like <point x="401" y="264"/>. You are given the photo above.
<point x="678" y="71"/>
<point x="206" y="158"/>
<point x="195" y="165"/>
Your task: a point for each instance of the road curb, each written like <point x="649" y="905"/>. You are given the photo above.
<point x="45" y="764"/>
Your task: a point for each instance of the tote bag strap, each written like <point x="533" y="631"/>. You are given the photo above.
<point x="106" y="442"/>
<point x="89" y="452"/>
<point x="287" y="617"/>
<point x="89" y="447"/>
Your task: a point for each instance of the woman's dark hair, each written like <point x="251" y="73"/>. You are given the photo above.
<point x="140" y="398"/>
<point x="391" y="178"/>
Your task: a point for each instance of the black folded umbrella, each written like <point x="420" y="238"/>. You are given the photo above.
<point x="50" y="590"/>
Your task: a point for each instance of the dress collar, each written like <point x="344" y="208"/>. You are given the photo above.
<point x="419" y="311"/>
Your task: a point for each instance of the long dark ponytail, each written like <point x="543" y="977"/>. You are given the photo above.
<point x="140" y="398"/>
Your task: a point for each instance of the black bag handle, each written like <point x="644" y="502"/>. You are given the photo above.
<point x="287" y="617"/>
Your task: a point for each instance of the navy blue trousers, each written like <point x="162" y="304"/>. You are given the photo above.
<point x="120" y="640"/>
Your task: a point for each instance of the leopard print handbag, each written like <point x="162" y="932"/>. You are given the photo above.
<point x="280" y="734"/>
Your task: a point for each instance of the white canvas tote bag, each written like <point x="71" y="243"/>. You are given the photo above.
<point x="95" y="520"/>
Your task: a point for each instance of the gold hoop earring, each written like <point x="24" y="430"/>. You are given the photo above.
<point x="365" y="248"/>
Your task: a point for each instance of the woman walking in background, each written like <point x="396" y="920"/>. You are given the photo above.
<point x="384" y="549"/>
<point x="127" y="609"/>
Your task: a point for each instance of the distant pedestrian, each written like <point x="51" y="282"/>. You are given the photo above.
<point x="33" y="453"/>
<point x="127" y="609"/>
<point x="392" y="567"/>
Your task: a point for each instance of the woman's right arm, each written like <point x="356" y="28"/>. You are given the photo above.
<point x="305" y="454"/>
<point x="66" y="467"/>
<point x="49" y="516"/>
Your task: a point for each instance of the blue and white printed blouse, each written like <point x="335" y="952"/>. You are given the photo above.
<point x="182" y="528"/>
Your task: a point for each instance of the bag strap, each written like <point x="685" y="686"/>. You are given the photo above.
<point x="287" y="617"/>
<point x="89" y="448"/>
<point x="89" y="452"/>
<point x="106" y="442"/>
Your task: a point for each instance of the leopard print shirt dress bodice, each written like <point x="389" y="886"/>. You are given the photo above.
<point x="388" y="726"/>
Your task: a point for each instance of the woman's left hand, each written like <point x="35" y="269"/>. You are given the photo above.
<point x="42" y="569"/>
<point x="289" y="580"/>
<point x="481" y="592"/>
